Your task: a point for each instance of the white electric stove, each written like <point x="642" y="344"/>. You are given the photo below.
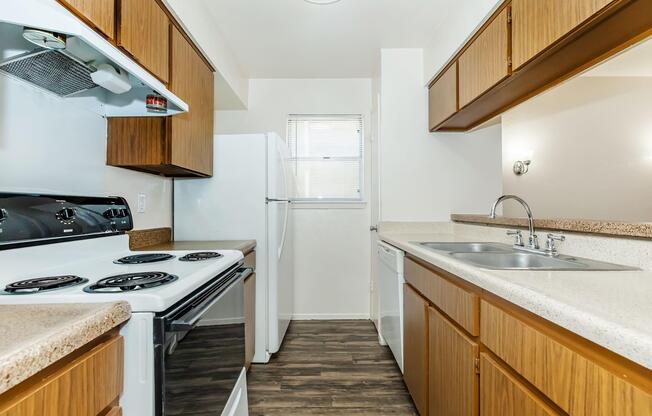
<point x="58" y="249"/>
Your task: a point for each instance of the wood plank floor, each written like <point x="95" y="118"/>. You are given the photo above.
<point x="329" y="368"/>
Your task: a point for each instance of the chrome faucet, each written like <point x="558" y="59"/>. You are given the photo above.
<point x="533" y="240"/>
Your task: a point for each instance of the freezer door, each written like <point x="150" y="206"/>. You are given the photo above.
<point x="281" y="272"/>
<point x="280" y="175"/>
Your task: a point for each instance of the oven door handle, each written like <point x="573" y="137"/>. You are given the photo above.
<point x="189" y="320"/>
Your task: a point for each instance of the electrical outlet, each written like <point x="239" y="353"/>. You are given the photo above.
<point x="142" y="201"/>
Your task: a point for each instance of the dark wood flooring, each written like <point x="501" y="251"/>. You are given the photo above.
<point x="329" y="368"/>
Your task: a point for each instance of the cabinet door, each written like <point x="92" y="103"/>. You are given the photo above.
<point x="537" y="24"/>
<point x="415" y="353"/>
<point x="144" y="32"/>
<point x="442" y="97"/>
<point x="486" y="61"/>
<point x="250" y="318"/>
<point x="453" y="379"/>
<point x="99" y="13"/>
<point x="503" y="395"/>
<point x="191" y="133"/>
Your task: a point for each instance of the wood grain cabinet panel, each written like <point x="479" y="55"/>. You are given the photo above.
<point x="250" y="318"/>
<point x="502" y="395"/>
<point x="85" y="386"/>
<point x="453" y="380"/>
<point x="191" y="133"/>
<point x="144" y="32"/>
<point x="537" y="24"/>
<point x="486" y="61"/>
<point x="576" y="384"/>
<point x="98" y="13"/>
<point x="442" y="98"/>
<point x="415" y="354"/>
<point x="461" y="305"/>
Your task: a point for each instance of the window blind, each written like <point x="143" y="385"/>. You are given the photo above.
<point x="327" y="152"/>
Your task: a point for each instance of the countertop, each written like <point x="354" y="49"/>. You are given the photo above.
<point x="245" y="246"/>
<point x="611" y="309"/>
<point x="32" y="337"/>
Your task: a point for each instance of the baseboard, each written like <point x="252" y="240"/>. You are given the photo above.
<point x="329" y="316"/>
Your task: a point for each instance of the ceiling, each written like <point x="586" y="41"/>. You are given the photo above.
<point x="295" y="39"/>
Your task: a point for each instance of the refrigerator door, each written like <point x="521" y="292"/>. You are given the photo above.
<point x="281" y="272"/>
<point x="280" y="255"/>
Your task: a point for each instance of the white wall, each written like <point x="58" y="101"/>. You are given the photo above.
<point x="590" y="141"/>
<point x="50" y="145"/>
<point x="332" y="249"/>
<point x="424" y="176"/>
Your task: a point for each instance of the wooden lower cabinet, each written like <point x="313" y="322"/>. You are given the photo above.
<point x="502" y="395"/>
<point x="88" y="384"/>
<point x="452" y="361"/>
<point x="415" y="347"/>
<point x="250" y="318"/>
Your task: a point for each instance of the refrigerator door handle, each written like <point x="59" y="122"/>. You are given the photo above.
<point x="285" y="227"/>
<point x="267" y="200"/>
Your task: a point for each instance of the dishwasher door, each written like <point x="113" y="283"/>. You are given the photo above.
<point x="390" y="282"/>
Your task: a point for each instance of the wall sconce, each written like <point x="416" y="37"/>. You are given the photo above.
<point x="521" y="167"/>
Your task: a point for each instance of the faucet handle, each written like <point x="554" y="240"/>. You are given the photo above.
<point x="519" y="237"/>
<point x="550" y="242"/>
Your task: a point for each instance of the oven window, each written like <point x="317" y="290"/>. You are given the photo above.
<point x="203" y="365"/>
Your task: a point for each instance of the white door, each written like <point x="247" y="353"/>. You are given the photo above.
<point x="280" y="243"/>
<point x="374" y="200"/>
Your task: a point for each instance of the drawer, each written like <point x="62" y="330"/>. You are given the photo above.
<point x="86" y="385"/>
<point x="459" y="304"/>
<point x="576" y="384"/>
<point x="502" y="395"/>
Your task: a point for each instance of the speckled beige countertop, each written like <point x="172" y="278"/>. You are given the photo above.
<point x="245" y="246"/>
<point x="612" y="309"/>
<point x="32" y="337"/>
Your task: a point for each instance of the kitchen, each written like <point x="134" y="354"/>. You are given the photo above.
<point x="252" y="207"/>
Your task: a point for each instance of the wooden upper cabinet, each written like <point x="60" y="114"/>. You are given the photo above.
<point x="415" y="354"/>
<point x="191" y="133"/>
<point x="144" y="32"/>
<point x="486" y="61"/>
<point x="442" y="97"/>
<point x="537" y="24"/>
<point x="98" y="13"/>
<point x="453" y="378"/>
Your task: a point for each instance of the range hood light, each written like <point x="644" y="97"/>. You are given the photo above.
<point x="114" y="80"/>
<point x="45" y="39"/>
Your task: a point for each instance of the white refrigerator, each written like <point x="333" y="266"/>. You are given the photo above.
<point x="248" y="197"/>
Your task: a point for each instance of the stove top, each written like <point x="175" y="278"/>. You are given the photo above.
<point x="42" y="284"/>
<point x="94" y="259"/>
<point x="201" y="255"/>
<point x="131" y="281"/>
<point x="144" y="258"/>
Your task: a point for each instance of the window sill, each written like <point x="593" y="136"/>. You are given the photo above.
<point x="329" y="205"/>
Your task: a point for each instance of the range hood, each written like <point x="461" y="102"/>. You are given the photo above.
<point x="67" y="68"/>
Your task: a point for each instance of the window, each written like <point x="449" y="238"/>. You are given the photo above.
<point x="327" y="152"/>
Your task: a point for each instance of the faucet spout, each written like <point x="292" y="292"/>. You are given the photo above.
<point x="533" y="241"/>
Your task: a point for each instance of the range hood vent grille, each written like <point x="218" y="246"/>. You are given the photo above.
<point x="53" y="70"/>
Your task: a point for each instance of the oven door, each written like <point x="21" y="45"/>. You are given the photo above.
<point x="203" y="352"/>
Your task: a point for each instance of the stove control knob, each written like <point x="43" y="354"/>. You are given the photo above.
<point x="111" y="213"/>
<point x="66" y="214"/>
<point x="124" y="212"/>
<point x="3" y="215"/>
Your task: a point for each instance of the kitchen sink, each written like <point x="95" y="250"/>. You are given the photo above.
<point x="468" y="247"/>
<point x="497" y="256"/>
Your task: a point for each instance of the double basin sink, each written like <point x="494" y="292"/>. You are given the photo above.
<point x="498" y="256"/>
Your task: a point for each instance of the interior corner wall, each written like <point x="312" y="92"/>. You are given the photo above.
<point x="427" y="176"/>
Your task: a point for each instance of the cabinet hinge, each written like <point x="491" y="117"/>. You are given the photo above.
<point x="476" y="365"/>
<point x="509" y="15"/>
<point x="509" y="61"/>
